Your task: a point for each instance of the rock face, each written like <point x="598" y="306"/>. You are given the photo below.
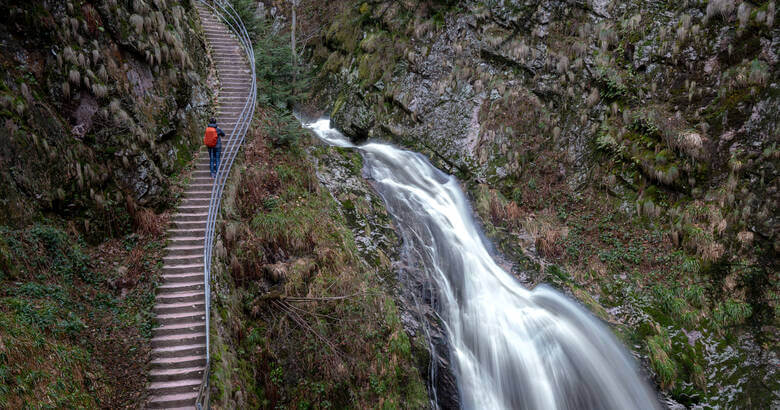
<point x="100" y="104"/>
<point x="667" y="110"/>
<point x="354" y="117"/>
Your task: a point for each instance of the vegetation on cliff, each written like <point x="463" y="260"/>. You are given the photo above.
<point x="100" y="102"/>
<point x="300" y="319"/>
<point x="624" y="151"/>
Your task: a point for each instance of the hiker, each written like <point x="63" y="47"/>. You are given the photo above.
<point x="213" y="141"/>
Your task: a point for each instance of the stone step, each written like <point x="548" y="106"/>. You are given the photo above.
<point x="223" y="41"/>
<point x="230" y="55"/>
<point x="232" y="103"/>
<point x="185" y="250"/>
<point x="180" y="329"/>
<point x="190" y="217"/>
<point x="168" y="308"/>
<point x="189" y="286"/>
<point x="238" y="71"/>
<point x="199" y="185"/>
<point x="192" y="276"/>
<point x="179" y="351"/>
<point x="229" y="100"/>
<point x="163" y="375"/>
<point x="235" y="77"/>
<point x="174" y="271"/>
<point x="232" y="68"/>
<point x="243" y="88"/>
<point x="193" y="240"/>
<point x="178" y="340"/>
<point x="227" y="65"/>
<point x="196" y="197"/>
<point x="199" y="193"/>
<point x="179" y="318"/>
<point x="184" y="225"/>
<point x="243" y="82"/>
<point x="194" y="208"/>
<point x="243" y="94"/>
<point x="185" y="237"/>
<point x="215" y="36"/>
<point x="226" y="48"/>
<point x="183" y="260"/>
<point x="161" y="389"/>
<point x="175" y="400"/>
<point x="232" y="116"/>
<point x="178" y="362"/>
<point x="227" y="55"/>
<point x="203" y="169"/>
<point x="196" y="200"/>
<point x="174" y="298"/>
<point x="236" y="86"/>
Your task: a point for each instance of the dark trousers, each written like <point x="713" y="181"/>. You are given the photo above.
<point x="214" y="154"/>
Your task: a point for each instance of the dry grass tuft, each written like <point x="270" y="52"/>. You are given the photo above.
<point x="149" y="223"/>
<point x="548" y="238"/>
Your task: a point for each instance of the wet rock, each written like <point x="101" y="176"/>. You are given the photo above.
<point x="353" y="117"/>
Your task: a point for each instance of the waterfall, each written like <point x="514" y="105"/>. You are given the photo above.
<point x="511" y="348"/>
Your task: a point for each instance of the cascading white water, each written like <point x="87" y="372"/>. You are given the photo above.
<point x="512" y="348"/>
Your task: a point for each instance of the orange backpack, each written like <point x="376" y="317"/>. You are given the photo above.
<point x="210" y="139"/>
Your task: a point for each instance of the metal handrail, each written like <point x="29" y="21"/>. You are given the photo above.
<point x="228" y="15"/>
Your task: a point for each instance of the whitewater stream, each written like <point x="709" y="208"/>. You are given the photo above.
<point x="511" y="348"/>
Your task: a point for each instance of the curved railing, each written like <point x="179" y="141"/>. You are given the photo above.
<point x="228" y="15"/>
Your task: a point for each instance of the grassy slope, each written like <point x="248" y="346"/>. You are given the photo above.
<point x="75" y="320"/>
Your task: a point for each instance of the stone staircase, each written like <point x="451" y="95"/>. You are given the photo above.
<point x="179" y="341"/>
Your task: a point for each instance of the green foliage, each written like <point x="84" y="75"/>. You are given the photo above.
<point x="658" y="347"/>
<point x="283" y="128"/>
<point x="280" y="84"/>
<point x="731" y="312"/>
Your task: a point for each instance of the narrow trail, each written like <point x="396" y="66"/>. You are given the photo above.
<point x="179" y="341"/>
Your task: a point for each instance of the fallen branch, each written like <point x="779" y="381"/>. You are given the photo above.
<point x="286" y="308"/>
<point x="300" y="299"/>
<point x="273" y="296"/>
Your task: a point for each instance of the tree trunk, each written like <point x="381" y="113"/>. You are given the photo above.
<point x="292" y="45"/>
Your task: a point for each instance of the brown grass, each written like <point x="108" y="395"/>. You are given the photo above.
<point x="548" y="237"/>
<point x="149" y="223"/>
<point x="503" y="212"/>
